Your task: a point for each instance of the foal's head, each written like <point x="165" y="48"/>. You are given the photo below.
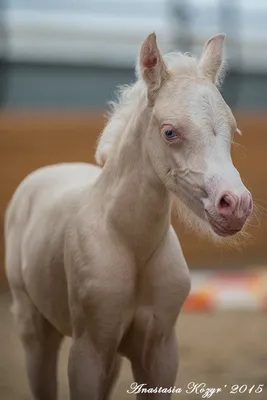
<point x="190" y="133"/>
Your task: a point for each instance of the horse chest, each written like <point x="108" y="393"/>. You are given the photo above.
<point x="159" y="301"/>
<point x="158" y="305"/>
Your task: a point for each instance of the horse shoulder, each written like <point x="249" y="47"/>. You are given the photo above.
<point x="100" y="270"/>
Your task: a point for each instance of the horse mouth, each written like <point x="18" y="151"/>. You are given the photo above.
<point x="220" y="229"/>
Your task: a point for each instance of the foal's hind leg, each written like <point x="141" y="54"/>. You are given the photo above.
<point x="41" y="342"/>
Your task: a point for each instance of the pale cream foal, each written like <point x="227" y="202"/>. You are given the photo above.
<point x="90" y="252"/>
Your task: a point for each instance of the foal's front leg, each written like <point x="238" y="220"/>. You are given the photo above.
<point x="151" y="342"/>
<point x="92" y="371"/>
<point x="153" y="366"/>
<point x="98" y="313"/>
<point x="160" y="369"/>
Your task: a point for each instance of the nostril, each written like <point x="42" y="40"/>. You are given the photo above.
<point x="226" y="204"/>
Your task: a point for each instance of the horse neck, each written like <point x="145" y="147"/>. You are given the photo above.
<point x="137" y="203"/>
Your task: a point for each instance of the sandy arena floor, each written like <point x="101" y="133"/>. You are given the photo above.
<point x="220" y="349"/>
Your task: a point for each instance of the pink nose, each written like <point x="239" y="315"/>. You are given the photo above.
<point x="231" y="206"/>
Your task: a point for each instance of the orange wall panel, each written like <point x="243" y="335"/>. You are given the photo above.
<point x="31" y="140"/>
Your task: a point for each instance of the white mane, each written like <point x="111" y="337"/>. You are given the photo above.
<point x="132" y="98"/>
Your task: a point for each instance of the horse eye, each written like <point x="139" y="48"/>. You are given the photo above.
<point x="170" y="134"/>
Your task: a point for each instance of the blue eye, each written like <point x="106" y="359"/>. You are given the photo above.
<point x="170" y="134"/>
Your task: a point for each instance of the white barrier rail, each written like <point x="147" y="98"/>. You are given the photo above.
<point x="109" y="32"/>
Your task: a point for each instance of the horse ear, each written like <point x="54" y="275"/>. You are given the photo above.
<point x="211" y="61"/>
<point x="152" y="67"/>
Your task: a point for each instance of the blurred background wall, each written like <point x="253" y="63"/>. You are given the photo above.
<point x="61" y="61"/>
